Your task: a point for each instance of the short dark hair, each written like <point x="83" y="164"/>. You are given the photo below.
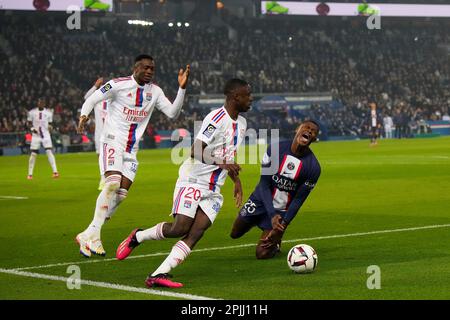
<point x="233" y="84"/>
<point x="312" y="121"/>
<point x="142" y="57"/>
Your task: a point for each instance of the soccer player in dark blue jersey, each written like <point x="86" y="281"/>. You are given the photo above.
<point x="279" y="195"/>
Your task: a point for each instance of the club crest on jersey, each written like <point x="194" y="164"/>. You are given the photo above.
<point x="106" y="88"/>
<point x="148" y="96"/>
<point x="187" y="204"/>
<point x="209" y="130"/>
<point x="291" y="166"/>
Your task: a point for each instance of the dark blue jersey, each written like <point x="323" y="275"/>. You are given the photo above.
<point x="292" y="178"/>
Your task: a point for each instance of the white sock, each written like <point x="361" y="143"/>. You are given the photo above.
<point x="153" y="233"/>
<point x="120" y="195"/>
<point x="179" y="253"/>
<point x="31" y="163"/>
<point x="104" y="200"/>
<point x="51" y="160"/>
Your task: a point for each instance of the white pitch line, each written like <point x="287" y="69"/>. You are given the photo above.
<point x="12" y="198"/>
<point x="239" y="246"/>
<point x="108" y="285"/>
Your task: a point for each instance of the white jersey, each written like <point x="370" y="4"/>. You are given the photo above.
<point x="131" y="106"/>
<point x="223" y="135"/>
<point x="387" y="122"/>
<point x="373" y="115"/>
<point x="40" y="120"/>
<point x="100" y="111"/>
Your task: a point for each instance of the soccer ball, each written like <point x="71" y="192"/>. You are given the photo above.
<point x="302" y="259"/>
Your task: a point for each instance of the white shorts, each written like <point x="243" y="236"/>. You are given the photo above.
<point x="114" y="158"/>
<point x="36" y="143"/>
<point x="188" y="197"/>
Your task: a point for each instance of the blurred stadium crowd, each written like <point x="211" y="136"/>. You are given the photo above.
<point x="404" y="67"/>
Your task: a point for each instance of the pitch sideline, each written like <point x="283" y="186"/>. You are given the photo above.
<point x="107" y="285"/>
<point x="358" y="234"/>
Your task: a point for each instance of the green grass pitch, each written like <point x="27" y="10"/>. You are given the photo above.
<point x="397" y="185"/>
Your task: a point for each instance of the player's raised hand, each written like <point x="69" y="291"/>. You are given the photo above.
<point x="81" y="123"/>
<point x="183" y="76"/>
<point x="98" y="82"/>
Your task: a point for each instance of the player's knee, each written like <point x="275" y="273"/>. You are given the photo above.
<point x="234" y="234"/>
<point x="112" y="182"/>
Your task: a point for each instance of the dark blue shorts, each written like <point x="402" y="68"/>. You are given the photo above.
<point x="255" y="213"/>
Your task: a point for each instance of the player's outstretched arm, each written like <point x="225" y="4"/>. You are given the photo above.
<point x="172" y="110"/>
<point x="97" y="85"/>
<point x="301" y="196"/>
<point x="105" y="93"/>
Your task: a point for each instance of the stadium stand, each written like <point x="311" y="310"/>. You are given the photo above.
<point x="403" y="68"/>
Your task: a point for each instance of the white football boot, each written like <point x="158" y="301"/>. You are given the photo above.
<point x="96" y="247"/>
<point x="83" y="242"/>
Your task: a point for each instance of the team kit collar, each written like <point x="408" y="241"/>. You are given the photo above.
<point x="136" y="83"/>
<point x="226" y="113"/>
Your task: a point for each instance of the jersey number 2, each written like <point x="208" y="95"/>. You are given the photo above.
<point x="111" y="154"/>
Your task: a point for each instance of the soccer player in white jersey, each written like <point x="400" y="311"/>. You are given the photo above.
<point x="197" y="199"/>
<point x="132" y="101"/>
<point x="39" y="120"/>
<point x="100" y="110"/>
<point x="374" y="125"/>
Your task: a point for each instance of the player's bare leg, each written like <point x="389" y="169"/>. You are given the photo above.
<point x="179" y="253"/>
<point x="240" y="227"/>
<point x="269" y="244"/>
<point x="107" y="201"/>
<point x="180" y="227"/>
